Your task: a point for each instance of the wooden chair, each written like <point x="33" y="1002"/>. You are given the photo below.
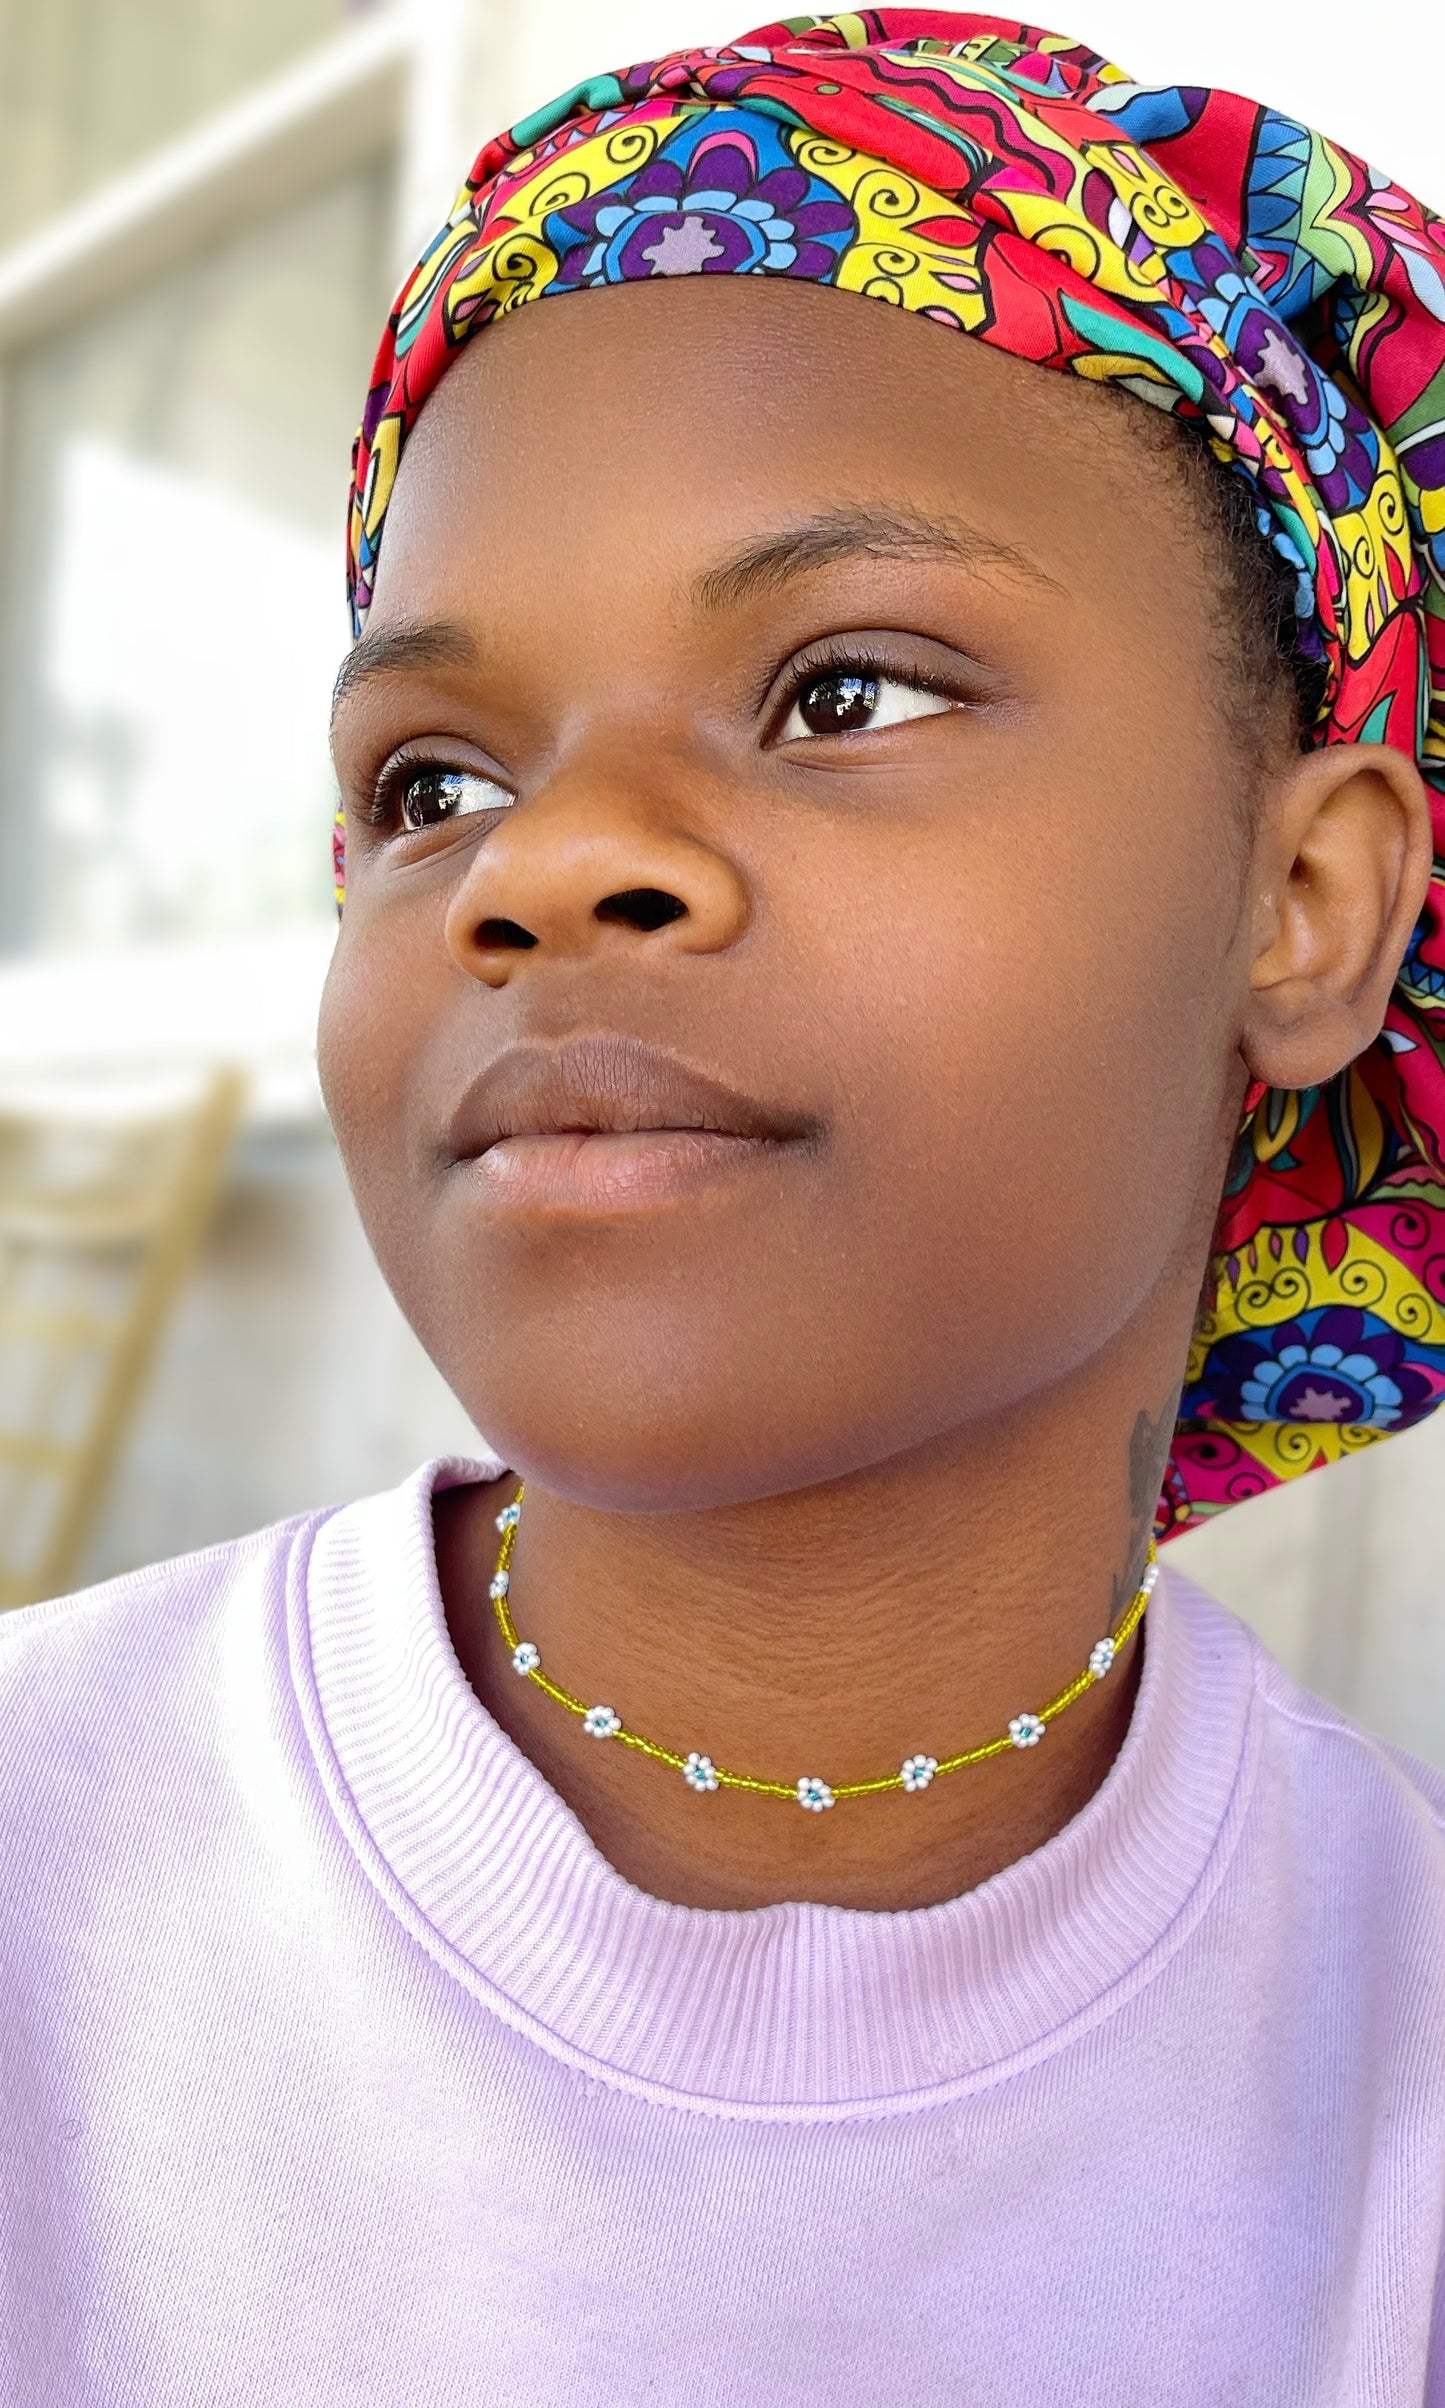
<point x="102" y="1207"/>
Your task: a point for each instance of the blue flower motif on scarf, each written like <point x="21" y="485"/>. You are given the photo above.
<point x="1337" y="1365"/>
<point x="724" y="198"/>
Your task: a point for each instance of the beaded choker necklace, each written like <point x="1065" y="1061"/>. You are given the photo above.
<point x="701" y="1774"/>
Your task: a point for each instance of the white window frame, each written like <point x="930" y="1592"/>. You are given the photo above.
<point x="400" y="83"/>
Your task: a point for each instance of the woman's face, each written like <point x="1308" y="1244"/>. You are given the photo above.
<point x="788" y="998"/>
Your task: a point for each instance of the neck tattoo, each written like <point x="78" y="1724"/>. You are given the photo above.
<point x="809" y="1791"/>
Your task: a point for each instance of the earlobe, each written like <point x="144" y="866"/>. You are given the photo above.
<point x="1341" y="867"/>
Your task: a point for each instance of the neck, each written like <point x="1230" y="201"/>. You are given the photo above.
<point x="915" y="1606"/>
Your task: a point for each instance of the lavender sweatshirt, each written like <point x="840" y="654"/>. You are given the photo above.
<point x="338" y="2067"/>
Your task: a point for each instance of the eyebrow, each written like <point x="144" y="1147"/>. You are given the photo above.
<point x="764" y="565"/>
<point x="830" y="536"/>
<point x="416" y="644"/>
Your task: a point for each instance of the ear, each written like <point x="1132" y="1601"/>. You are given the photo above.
<point x="1341" y="866"/>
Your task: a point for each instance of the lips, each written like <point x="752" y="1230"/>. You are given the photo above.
<point x="606" y="1122"/>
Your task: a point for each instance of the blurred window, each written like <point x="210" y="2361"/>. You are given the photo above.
<point x="88" y="86"/>
<point x="172" y="595"/>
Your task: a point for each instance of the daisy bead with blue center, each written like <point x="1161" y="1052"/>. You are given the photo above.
<point x="813" y="1794"/>
<point x="918" y="1771"/>
<point x="509" y="1517"/>
<point x="501" y="1582"/>
<point x="526" y="1658"/>
<point x="1101" y="1656"/>
<point x="1026" y="1730"/>
<point x="700" y="1772"/>
<point x="599" y="1722"/>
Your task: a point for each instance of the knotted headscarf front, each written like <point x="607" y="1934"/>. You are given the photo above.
<point x="1220" y="261"/>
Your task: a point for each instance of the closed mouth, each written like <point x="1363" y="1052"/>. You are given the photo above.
<point x="611" y="1086"/>
<point x="606" y="1123"/>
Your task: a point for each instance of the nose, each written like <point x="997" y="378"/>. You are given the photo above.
<point x="584" y="866"/>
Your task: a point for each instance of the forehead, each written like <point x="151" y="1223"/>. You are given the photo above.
<point x="677" y="415"/>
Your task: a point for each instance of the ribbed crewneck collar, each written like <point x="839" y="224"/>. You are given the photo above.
<point x="794" y="2011"/>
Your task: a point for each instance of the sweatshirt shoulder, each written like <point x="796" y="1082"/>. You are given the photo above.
<point x="123" y="1632"/>
<point x="145" y="1637"/>
<point x="1304" y="1733"/>
<point x="1310" y="1723"/>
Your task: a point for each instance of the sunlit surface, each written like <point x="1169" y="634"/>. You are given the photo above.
<point x="174" y="605"/>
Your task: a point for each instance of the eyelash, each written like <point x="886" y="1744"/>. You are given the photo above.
<point x="862" y="661"/>
<point x="379" y="807"/>
<point x="382" y="806"/>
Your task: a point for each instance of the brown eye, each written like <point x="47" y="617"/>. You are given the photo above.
<point x="839" y="700"/>
<point x="851" y="701"/>
<point x="426" y="797"/>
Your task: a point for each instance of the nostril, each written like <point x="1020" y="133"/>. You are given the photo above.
<point x="643" y="907"/>
<point x="505" y="933"/>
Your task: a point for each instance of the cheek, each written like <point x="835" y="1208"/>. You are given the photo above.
<point x="1039" y="1060"/>
<point x="374" y="1018"/>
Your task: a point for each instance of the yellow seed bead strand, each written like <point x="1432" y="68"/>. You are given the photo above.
<point x="508" y="1521"/>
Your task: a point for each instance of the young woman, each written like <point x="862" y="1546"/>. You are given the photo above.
<point x="856" y="840"/>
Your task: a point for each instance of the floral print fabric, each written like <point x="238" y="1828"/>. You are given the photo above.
<point x="1218" y="260"/>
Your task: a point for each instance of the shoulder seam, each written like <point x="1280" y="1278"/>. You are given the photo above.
<point x="1335" y="1727"/>
<point x="148" y="1577"/>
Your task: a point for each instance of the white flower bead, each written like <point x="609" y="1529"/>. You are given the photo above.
<point x="599" y="1722"/>
<point x="700" y="1772"/>
<point x="526" y="1658"/>
<point x="1101" y="1656"/>
<point x="501" y="1582"/>
<point x="1026" y="1730"/>
<point x="814" y="1794"/>
<point x="509" y="1517"/>
<point x="1151" y="1575"/>
<point x="918" y="1771"/>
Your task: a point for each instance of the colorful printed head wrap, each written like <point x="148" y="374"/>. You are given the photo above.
<point x="1218" y="260"/>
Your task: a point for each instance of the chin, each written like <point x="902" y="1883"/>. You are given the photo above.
<point x="674" y="1442"/>
<point x="636" y="1453"/>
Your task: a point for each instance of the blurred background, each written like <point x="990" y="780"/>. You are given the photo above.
<point x="204" y="206"/>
